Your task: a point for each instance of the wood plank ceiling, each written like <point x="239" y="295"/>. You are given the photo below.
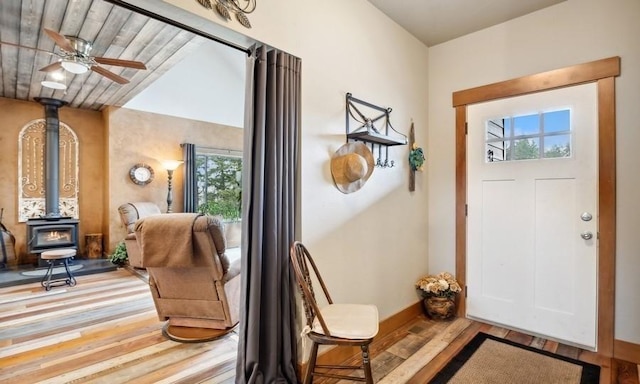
<point x="115" y="32"/>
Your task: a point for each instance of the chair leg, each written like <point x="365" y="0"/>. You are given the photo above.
<point x="366" y="364"/>
<point x="46" y="279"/>
<point x="311" y="366"/>
<point x="71" y="280"/>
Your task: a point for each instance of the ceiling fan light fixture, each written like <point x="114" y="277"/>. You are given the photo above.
<point x="74" y="66"/>
<point x="55" y="80"/>
<point x="53" y="84"/>
<point x="57" y="75"/>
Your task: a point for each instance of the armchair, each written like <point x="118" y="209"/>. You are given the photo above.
<point x="129" y="214"/>
<point x="193" y="284"/>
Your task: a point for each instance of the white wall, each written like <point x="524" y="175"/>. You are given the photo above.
<point x="209" y="83"/>
<point x="572" y="32"/>
<point x="371" y="245"/>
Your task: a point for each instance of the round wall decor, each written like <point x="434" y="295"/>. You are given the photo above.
<point x="141" y="174"/>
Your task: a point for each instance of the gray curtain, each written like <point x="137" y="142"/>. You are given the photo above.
<point x="190" y="189"/>
<point x="267" y="347"/>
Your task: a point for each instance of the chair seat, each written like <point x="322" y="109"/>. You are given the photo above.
<point x="349" y="321"/>
<point x="56" y="254"/>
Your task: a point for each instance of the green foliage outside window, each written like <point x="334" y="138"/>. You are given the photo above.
<point x="219" y="186"/>
<point x="528" y="149"/>
<point x="558" y="151"/>
<point x="524" y="149"/>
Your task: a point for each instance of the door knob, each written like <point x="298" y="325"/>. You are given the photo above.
<point x="586" y="235"/>
<point x="586" y="216"/>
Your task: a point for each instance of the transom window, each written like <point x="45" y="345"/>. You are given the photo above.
<point x="538" y="136"/>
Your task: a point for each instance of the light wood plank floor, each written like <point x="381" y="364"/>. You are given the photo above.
<point x="105" y="330"/>
<point x="394" y="355"/>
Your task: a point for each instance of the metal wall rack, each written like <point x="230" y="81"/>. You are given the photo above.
<point x="368" y="132"/>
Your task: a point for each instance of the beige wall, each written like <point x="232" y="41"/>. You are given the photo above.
<point x="142" y="137"/>
<point x="569" y="33"/>
<point x="372" y="244"/>
<point x="110" y="144"/>
<point x="89" y="127"/>
<point x="356" y="51"/>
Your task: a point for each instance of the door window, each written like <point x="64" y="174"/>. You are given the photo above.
<point x="528" y="137"/>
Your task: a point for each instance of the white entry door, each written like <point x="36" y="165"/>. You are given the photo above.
<point x="532" y="207"/>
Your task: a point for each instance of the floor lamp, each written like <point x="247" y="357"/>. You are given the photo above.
<point x="170" y="166"/>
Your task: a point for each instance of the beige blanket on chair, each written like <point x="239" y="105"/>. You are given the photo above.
<point x="166" y="240"/>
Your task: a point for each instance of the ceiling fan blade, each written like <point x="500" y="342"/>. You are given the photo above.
<point x="60" y="40"/>
<point x="51" y="67"/>
<point x="110" y="75"/>
<point x="25" y="47"/>
<point x="120" y="63"/>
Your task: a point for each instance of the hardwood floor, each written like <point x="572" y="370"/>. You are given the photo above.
<point x="105" y="330"/>
<point x="394" y="355"/>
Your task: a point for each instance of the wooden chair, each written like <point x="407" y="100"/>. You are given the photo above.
<point x="351" y="325"/>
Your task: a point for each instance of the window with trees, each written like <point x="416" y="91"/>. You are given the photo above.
<point x="536" y="136"/>
<point x="219" y="184"/>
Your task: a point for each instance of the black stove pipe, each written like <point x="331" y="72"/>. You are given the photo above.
<point x="52" y="155"/>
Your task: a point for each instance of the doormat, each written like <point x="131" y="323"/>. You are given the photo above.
<point x="56" y="270"/>
<point x="489" y="359"/>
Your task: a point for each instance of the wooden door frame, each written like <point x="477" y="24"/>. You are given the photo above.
<point x="602" y="72"/>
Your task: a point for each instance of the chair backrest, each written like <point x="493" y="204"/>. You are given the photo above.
<point x="209" y="238"/>
<point x="301" y="260"/>
<point x="132" y="212"/>
<point x="182" y="240"/>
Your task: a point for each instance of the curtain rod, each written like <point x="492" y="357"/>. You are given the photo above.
<point x="198" y="32"/>
<point x="214" y="148"/>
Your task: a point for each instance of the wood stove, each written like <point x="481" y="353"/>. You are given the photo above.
<point x="46" y="234"/>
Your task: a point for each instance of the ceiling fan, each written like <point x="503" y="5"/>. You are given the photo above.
<point x="75" y="57"/>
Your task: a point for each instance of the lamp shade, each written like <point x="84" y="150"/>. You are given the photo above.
<point x="171" y="165"/>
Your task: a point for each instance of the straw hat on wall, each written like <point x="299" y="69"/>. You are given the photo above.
<point x="351" y="166"/>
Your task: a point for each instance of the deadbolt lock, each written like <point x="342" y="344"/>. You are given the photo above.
<point x="586" y="235"/>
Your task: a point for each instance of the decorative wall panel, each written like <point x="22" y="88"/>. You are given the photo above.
<point x="31" y="157"/>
